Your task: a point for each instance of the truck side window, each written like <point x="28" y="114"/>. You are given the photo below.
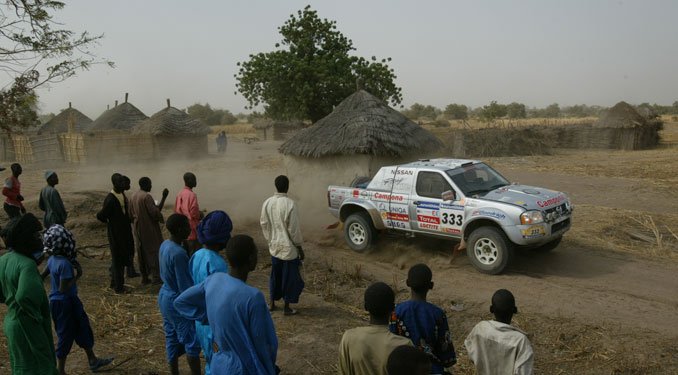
<point x="431" y="185"/>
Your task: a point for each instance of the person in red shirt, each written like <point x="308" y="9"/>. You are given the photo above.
<point x="187" y="205"/>
<point x="12" y="190"/>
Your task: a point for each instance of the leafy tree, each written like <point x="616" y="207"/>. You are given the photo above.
<point x="552" y="111"/>
<point x="211" y="116"/>
<point x="311" y="71"/>
<point x="227" y="118"/>
<point x="516" y="110"/>
<point x="35" y="51"/>
<point x="492" y="111"/>
<point x="456" y="112"/>
<point x="418" y="111"/>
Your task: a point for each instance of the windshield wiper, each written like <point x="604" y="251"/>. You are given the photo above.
<point x="497" y="186"/>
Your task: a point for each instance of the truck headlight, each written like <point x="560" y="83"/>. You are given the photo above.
<point x="531" y="217"/>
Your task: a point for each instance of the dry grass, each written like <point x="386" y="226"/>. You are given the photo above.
<point x="234" y="129"/>
<point x="506" y="123"/>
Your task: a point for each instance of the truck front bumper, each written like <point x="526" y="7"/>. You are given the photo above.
<point x="538" y="234"/>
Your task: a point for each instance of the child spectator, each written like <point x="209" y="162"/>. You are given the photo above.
<point x="495" y="346"/>
<point x="180" y="334"/>
<point x="424" y="323"/>
<point x="365" y="350"/>
<point x="70" y="320"/>
<point x="408" y="360"/>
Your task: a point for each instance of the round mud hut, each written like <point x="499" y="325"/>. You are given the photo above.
<point x="360" y="136"/>
<point x="175" y="133"/>
<point x="68" y="121"/>
<point x="121" y="118"/>
<point x="622" y="127"/>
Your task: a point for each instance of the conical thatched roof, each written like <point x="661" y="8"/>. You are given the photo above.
<point x="361" y="124"/>
<point x="172" y="122"/>
<point x="60" y="122"/>
<point x="622" y="115"/>
<point x="121" y="117"/>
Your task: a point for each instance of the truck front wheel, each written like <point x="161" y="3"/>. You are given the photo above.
<point x="489" y="250"/>
<point x="359" y="231"/>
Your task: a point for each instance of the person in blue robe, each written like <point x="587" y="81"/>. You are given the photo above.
<point x="180" y="336"/>
<point x="214" y="231"/>
<point x="244" y="338"/>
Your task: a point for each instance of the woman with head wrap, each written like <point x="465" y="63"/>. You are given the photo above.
<point x="70" y="320"/>
<point x="214" y="231"/>
<point x="27" y="323"/>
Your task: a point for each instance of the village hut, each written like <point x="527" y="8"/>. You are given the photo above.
<point x="69" y="120"/>
<point x="361" y="135"/>
<point x="263" y="127"/>
<point x="622" y="127"/>
<point x="121" y="117"/>
<point x="175" y="133"/>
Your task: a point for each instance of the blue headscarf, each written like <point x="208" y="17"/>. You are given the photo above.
<point x="215" y="228"/>
<point x="58" y="240"/>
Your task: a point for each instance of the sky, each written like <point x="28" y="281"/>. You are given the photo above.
<point x="538" y="52"/>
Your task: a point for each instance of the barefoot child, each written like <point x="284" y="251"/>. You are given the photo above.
<point x="70" y="320"/>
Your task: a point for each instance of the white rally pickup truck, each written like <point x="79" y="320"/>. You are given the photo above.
<point x="458" y="199"/>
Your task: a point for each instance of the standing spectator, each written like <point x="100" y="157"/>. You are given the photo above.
<point x="12" y="190"/>
<point x="424" y="323"/>
<point x="27" y="325"/>
<point x="280" y="224"/>
<point x="114" y="214"/>
<point x="495" y="346"/>
<point x="146" y="219"/>
<point x="408" y="360"/>
<point x="244" y="341"/>
<point x="214" y="232"/>
<point x="224" y="142"/>
<point x="70" y="319"/>
<point x="180" y="336"/>
<point x="187" y="205"/>
<point x="51" y="203"/>
<point x="365" y="350"/>
<point x="131" y="272"/>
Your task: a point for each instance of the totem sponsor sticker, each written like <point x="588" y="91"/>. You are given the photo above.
<point x="533" y="231"/>
<point x="428" y="219"/>
<point x="397" y="217"/>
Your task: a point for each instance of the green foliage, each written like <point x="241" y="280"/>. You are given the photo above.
<point x="418" y="111"/>
<point x="210" y="116"/>
<point x="552" y="111"/>
<point x="311" y="71"/>
<point x="18" y="103"/>
<point x="516" y="110"/>
<point x="492" y="111"/>
<point x="441" y="123"/>
<point x="456" y="112"/>
<point x="35" y="51"/>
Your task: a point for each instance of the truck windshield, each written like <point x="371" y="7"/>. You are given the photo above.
<point x="477" y="179"/>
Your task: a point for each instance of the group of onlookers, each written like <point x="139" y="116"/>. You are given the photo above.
<point x="205" y="301"/>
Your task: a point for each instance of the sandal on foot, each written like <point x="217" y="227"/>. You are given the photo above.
<point x="290" y="312"/>
<point x="100" y="362"/>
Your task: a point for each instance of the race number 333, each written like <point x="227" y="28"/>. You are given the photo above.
<point x="452" y="219"/>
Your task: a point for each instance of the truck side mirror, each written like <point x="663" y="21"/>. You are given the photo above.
<point x="448" y="195"/>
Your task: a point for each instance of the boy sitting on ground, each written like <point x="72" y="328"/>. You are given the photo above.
<point x="365" y="350"/>
<point x="423" y="322"/>
<point x="70" y="320"/>
<point x="495" y="346"/>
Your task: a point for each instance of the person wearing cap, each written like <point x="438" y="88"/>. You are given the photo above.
<point x="497" y="347"/>
<point x="280" y="224"/>
<point x="51" y="203"/>
<point x="70" y="319"/>
<point x="365" y="350"/>
<point x="12" y="191"/>
<point x="213" y="233"/>
<point x="424" y="323"/>
<point x="27" y="324"/>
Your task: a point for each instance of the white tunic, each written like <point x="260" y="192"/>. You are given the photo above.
<point x="499" y="348"/>
<point x="280" y="224"/>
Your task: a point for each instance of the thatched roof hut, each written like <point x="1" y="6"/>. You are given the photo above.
<point x="622" y="115"/>
<point x="68" y="117"/>
<point x="121" y="117"/>
<point x="362" y="124"/>
<point x="175" y="132"/>
<point x="360" y="136"/>
<point x="622" y="127"/>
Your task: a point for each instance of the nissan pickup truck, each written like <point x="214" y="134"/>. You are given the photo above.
<point x="463" y="200"/>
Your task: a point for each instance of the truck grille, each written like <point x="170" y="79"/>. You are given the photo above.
<point x="562" y="225"/>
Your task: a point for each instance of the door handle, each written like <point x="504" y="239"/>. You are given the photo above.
<point x="416" y="203"/>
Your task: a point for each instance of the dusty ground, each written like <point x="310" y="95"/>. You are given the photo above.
<point x="602" y="303"/>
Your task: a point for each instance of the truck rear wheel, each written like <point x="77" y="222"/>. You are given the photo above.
<point x="489" y="250"/>
<point x="359" y="231"/>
